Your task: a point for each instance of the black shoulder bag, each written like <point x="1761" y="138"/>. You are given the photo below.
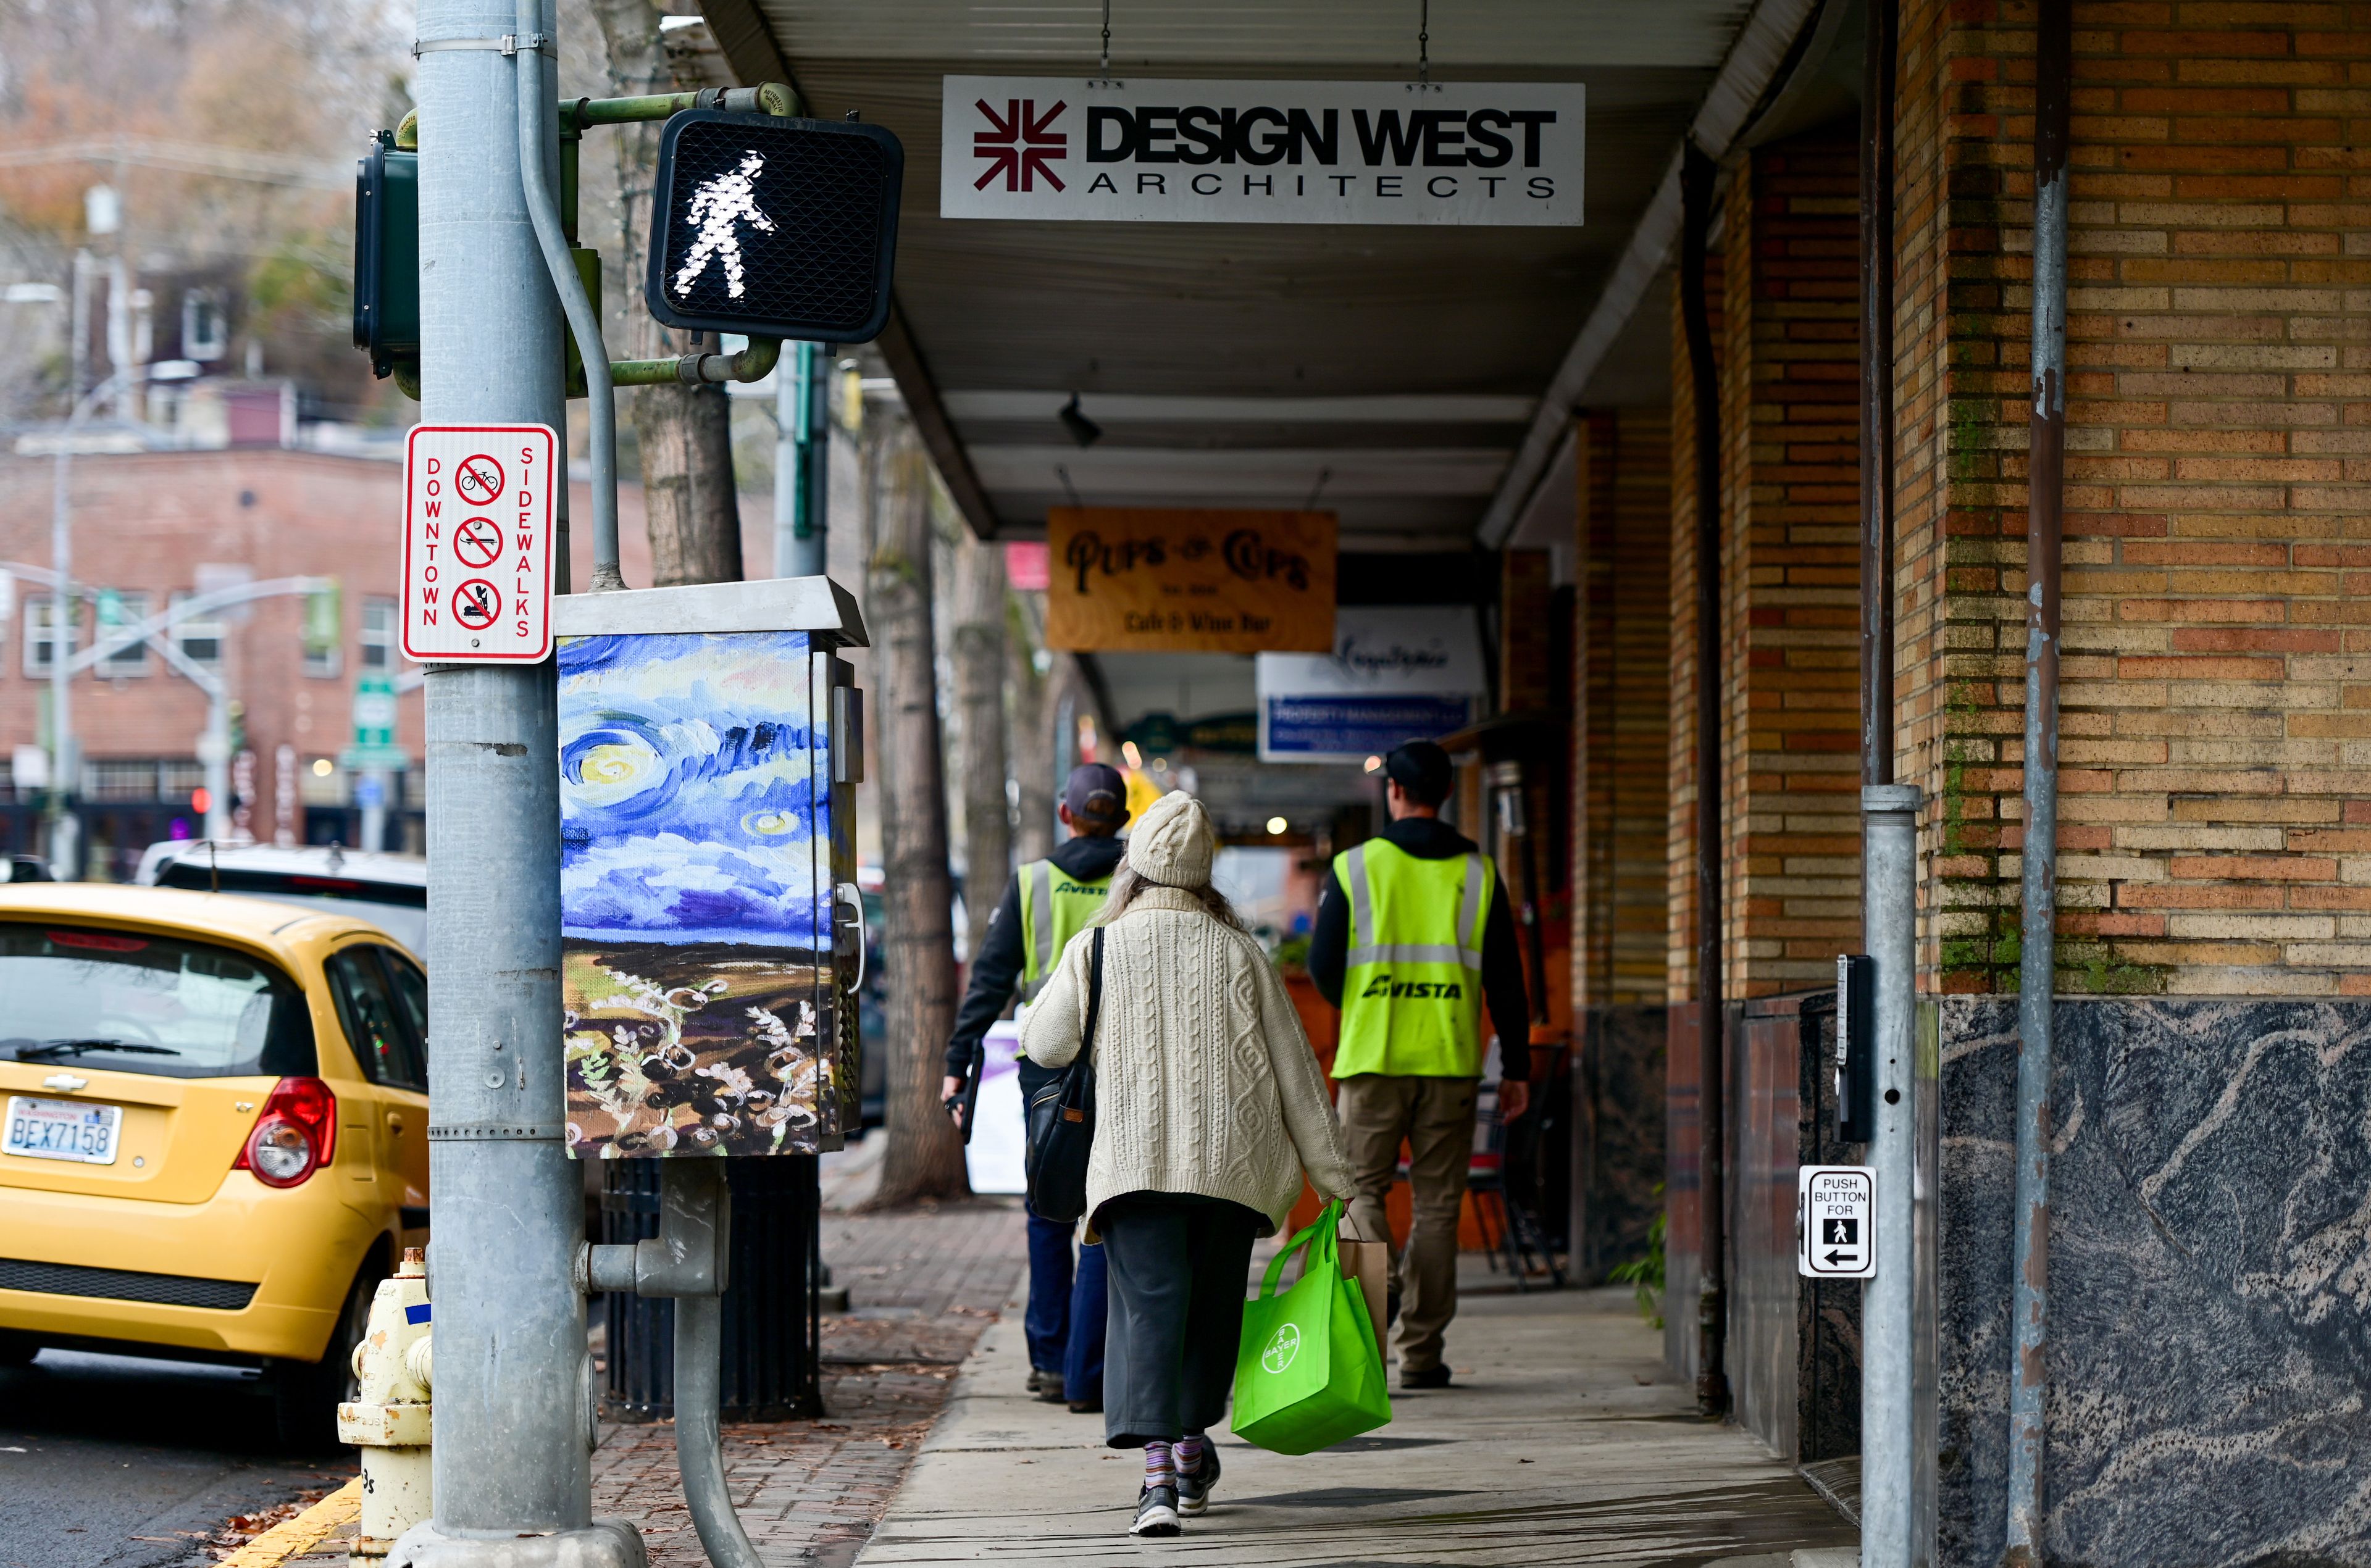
<point x="1063" y="1118"/>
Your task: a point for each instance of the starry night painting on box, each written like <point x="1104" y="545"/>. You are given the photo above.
<point x="695" y="895"/>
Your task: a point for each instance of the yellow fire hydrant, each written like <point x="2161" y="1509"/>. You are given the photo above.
<point x="389" y="1420"/>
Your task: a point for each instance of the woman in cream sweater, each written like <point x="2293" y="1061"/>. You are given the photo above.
<point x="1208" y="1105"/>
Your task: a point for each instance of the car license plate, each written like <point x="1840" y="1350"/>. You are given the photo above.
<point x="63" y="1129"/>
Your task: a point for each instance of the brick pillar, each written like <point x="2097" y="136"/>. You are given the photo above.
<point x="1787" y="344"/>
<point x="1622" y="730"/>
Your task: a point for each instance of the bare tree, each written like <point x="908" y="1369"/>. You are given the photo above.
<point x="980" y="634"/>
<point x="924" y="1158"/>
<point x="684" y="433"/>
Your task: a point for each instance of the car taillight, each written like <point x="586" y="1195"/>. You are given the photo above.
<point x="293" y="1136"/>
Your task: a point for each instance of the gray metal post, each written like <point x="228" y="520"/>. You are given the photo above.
<point x="1889" y="1471"/>
<point x="802" y="458"/>
<point x="2029" y="1386"/>
<point x="514" y="1416"/>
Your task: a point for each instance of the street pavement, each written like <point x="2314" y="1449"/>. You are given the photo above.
<point x="1562" y="1441"/>
<point x="110" y="1461"/>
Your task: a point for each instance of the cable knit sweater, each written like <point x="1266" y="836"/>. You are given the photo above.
<point x="1204" y="1080"/>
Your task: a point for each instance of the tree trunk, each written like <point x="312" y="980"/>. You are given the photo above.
<point x="683" y="434"/>
<point x="924" y="1158"/>
<point x="1032" y="743"/>
<point x="980" y="700"/>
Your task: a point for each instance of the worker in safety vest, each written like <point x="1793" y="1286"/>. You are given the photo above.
<point x="1412" y="936"/>
<point x="1047" y="902"/>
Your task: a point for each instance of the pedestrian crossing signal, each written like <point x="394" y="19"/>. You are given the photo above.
<point x="774" y="228"/>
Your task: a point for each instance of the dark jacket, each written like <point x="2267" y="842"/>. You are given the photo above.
<point x="996" y="967"/>
<point x="1429" y="838"/>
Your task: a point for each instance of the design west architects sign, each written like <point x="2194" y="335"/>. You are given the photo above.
<point x="1500" y="154"/>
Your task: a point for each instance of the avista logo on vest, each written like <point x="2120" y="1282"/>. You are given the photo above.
<point x="1085" y="890"/>
<point x="1383" y="987"/>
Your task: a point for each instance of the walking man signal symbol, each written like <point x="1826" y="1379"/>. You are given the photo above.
<point x="719" y="206"/>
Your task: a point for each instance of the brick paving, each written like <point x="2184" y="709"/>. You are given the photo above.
<point x="923" y="1284"/>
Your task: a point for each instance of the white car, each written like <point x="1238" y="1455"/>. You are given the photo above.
<point x="390" y="891"/>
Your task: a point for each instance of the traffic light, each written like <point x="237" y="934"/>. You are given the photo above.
<point x="774" y="228"/>
<point x="387" y="255"/>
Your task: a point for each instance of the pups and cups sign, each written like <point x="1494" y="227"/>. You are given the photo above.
<point x="1148" y="580"/>
<point x="1154" y="151"/>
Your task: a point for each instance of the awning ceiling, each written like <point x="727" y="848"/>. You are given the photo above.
<point x="1388" y="372"/>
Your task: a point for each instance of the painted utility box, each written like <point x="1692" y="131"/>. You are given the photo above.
<point x="713" y="936"/>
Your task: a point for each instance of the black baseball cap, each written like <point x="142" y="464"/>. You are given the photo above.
<point x="1421" y="769"/>
<point x="1097" y="796"/>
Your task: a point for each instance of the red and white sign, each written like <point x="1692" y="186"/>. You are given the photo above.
<point x="476" y="543"/>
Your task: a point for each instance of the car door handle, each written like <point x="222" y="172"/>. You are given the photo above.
<point x="394" y="1122"/>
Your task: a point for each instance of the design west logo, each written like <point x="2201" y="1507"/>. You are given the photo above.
<point x="1020" y="145"/>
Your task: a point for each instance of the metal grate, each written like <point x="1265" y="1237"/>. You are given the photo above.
<point x="125" y="1284"/>
<point x="828" y="194"/>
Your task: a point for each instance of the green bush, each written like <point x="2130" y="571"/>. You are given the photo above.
<point x="1645" y="1274"/>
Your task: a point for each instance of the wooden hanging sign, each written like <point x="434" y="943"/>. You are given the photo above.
<point x="1155" y="580"/>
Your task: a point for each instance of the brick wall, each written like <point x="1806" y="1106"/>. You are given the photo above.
<point x="1790" y="386"/>
<point x="2216" y="718"/>
<point x="1786" y="341"/>
<point x="1622" y="734"/>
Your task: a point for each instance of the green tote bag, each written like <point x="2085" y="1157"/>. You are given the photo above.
<point x="1309" y="1375"/>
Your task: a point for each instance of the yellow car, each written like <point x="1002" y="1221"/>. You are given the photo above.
<point x="216" y="1133"/>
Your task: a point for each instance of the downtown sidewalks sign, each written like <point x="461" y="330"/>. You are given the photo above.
<point x="1501" y="153"/>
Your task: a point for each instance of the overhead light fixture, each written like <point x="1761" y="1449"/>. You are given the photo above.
<point x="1275" y="827"/>
<point x="1083" y="431"/>
<point x="1374" y="765"/>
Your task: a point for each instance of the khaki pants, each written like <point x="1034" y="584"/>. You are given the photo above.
<point x="1434" y="1116"/>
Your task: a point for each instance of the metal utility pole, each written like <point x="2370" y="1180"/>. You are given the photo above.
<point x="2029" y="1384"/>
<point x="1712" y="1093"/>
<point x="1894" y="1507"/>
<point x="802" y="461"/>
<point x="513" y="1381"/>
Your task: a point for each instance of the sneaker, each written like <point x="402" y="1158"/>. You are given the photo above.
<point x="1086" y="1407"/>
<point x="1430" y="1377"/>
<point x="1156" y="1513"/>
<point x="1037" y="1375"/>
<point x="1193" y="1486"/>
<point x="1050" y="1391"/>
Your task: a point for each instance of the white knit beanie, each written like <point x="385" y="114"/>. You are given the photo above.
<point x="1170" y="843"/>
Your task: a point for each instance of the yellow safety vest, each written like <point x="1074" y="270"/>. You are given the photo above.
<point x="1055" y="906"/>
<point x="1412" y="987"/>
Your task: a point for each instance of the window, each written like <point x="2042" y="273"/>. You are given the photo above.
<point x="323" y="783"/>
<point x="120" y="612"/>
<point x="81" y="999"/>
<point x="200" y="638"/>
<point x="178" y="779"/>
<point x="205" y="330"/>
<point x="377" y="1025"/>
<point x="379" y="634"/>
<point x="37" y="633"/>
<point x="119" y="779"/>
<point x="324" y="630"/>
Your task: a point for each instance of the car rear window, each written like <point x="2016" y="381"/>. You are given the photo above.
<point x="132" y="1002"/>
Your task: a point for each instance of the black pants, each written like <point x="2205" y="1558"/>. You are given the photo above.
<point x="1178" y="1263"/>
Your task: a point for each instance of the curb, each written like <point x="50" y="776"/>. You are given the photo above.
<point x="294" y="1538"/>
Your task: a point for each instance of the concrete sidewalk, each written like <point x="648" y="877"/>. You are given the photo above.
<point x="1563" y="1442"/>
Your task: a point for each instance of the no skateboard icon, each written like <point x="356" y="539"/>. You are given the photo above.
<point x="478" y="542"/>
<point x="476" y="603"/>
<point x="478" y="479"/>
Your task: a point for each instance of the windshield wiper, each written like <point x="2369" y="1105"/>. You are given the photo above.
<point x="77" y="1048"/>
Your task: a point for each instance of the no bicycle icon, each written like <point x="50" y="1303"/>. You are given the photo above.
<point x="478" y="479"/>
